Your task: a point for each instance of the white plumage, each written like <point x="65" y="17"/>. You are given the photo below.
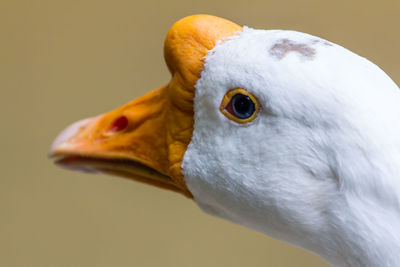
<point x="320" y="165"/>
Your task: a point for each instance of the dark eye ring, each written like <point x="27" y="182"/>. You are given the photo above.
<point x="239" y="105"/>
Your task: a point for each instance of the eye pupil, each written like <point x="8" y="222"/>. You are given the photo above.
<point x="243" y="106"/>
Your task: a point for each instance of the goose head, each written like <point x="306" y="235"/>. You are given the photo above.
<point x="280" y="131"/>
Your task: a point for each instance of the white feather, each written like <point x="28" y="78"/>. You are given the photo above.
<point x="320" y="165"/>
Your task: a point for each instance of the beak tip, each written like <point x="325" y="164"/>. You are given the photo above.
<point x="66" y="134"/>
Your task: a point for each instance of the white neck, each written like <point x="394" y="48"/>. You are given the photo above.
<point x="363" y="225"/>
<point x="364" y="222"/>
<point x="367" y="235"/>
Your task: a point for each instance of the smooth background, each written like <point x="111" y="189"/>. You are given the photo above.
<point x="61" y="61"/>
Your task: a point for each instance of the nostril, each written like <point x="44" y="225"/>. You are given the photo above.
<point x="119" y="124"/>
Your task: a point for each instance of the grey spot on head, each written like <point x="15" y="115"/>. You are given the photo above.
<point x="285" y="46"/>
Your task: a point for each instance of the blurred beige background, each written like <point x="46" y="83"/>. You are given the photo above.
<point x="61" y="61"/>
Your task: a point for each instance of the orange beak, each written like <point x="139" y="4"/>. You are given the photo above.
<point x="146" y="139"/>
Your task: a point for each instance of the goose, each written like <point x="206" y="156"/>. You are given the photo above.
<point x="280" y="131"/>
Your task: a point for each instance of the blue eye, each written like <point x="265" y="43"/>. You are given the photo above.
<point x="239" y="105"/>
<point x="242" y="106"/>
